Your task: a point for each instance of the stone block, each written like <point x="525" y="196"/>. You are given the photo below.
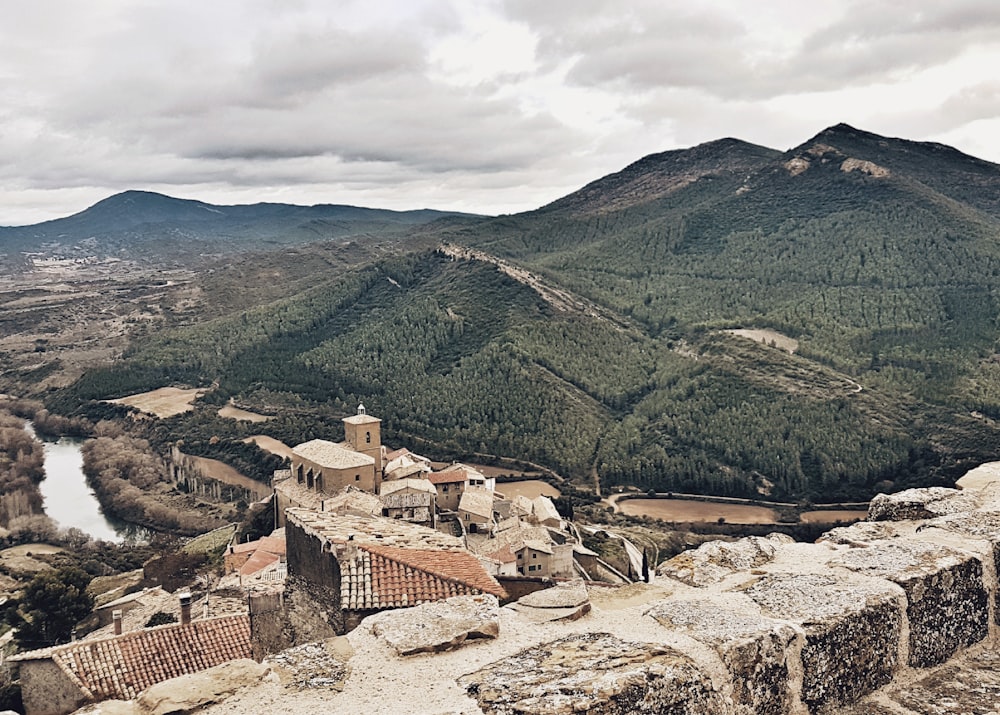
<point x="852" y="631"/>
<point x="190" y="692"/>
<point x="754" y="649"/>
<point x="713" y="561"/>
<point x="438" y="626"/>
<point x="981" y="526"/>
<point x="924" y="503"/>
<point x="946" y="598"/>
<point x="598" y="674"/>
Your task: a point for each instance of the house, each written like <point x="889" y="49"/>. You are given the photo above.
<point x="61" y="679"/>
<point x="344" y="568"/>
<point x="414" y="500"/>
<point x="539" y="550"/>
<point x="450" y="485"/>
<point x="329" y="467"/>
<point x="544" y="512"/>
<point x="352" y="501"/>
<point x="403" y="463"/>
<point x="475" y="510"/>
<point x="250" y="557"/>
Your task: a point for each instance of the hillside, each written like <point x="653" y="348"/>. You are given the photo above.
<point x="590" y="336"/>
<point x="143" y="225"/>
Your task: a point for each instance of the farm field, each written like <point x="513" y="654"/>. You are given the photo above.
<point x="530" y="488"/>
<point x="162" y="402"/>
<point x="684" y="510"/>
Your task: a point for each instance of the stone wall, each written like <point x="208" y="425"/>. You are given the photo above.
<point x="768" y="626"/>
<point x="188" y="475"/>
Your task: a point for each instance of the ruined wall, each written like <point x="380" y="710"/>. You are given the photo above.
<point x="309" y="609"/>
<point x="188" y="475"/>
<point x="47" y="690"/>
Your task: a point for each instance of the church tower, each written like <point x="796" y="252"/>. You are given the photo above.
<point x="363" y="433"/>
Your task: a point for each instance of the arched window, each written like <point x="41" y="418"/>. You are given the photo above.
<point x="299" y="473"/>
<point x="309" y="479"/>
<point x="368" y="437"/>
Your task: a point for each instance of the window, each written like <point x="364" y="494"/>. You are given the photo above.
<point x="385" y="512"/>
<point x="444" y="488"/>
<point x="357" y="477"/>
<point x="534" y="556"/>
<point x="368" y="437"/>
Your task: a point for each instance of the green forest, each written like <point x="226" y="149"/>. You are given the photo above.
<point x="888" y="280"/>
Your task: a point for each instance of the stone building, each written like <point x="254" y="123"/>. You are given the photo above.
<point x="413" y="500"/>
<point x="475" y="510"/>
<point x="344" y="568"/>
<point x="61" y="679"/>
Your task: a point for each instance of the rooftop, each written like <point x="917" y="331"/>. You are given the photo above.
<point x="339" y="529"/>
<point x="332" y="455"/>
<point x="448" y="477"/>
<point x="396" y="485"/>
<point x="352" y="501"/>
<point x="120" y="667"/>
<point x="300" y="494"/>
<point x="477" y="501"/>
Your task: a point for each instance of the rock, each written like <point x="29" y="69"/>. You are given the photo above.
<point x="852" y="631"/>
<point x="438" y="626"/>
<point x="188" y="692"/>
<point x="920" y="504"/>
<point x="946" y="598"/>
<point x="713" y="561"/>
<point x="983" y="526"/>
<point x="598" y="674"/>
<point x="569" y="594"/>
<point x="971" y="685"/>
<point x="325" y="664"/>
<point x="861" y="533"/>
<point x="547" y="615"/>
<point x="753" y="648"/>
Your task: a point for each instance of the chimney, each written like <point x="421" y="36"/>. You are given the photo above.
<point x="185" y="608"/>
<point x="116" y="618"/>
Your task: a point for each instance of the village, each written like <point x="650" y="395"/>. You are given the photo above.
<point x="359" y="528"/>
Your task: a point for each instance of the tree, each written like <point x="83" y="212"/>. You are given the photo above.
<point x="53" y="603"/>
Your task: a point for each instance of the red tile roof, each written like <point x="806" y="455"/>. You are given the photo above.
<point x="122" y="666"/>
<point x="452" y="475"/>
<point x="393" y="577"/>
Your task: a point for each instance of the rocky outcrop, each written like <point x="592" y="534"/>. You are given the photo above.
<point x="190" y="692"/>
<point x="564" y="602"/>
<point x="920" y="504"/>
<point x="443" y="625"/>
<point x="594" y="673"/>
<point x="713" y="561"/>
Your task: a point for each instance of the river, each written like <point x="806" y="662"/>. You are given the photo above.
<point x="69" y="501"/>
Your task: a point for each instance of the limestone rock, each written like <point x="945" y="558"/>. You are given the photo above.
<point x="188" y="692"/>
<point x="325" y="664"/>
<point x="753" y="648"/>
<point x="861" y="533"/>
<point x="946" y="597"/>
<point x="920" y="504"/>
<point x="569" y="594"/>
<point x="852" y="631"/>
<point x="971" y="685"/>
<point x="595" y="673"/>
<point x="713" y="561"/>
<point x="438" y="626"/>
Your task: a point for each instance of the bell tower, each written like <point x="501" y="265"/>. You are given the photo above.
<point x="363" y="433"/>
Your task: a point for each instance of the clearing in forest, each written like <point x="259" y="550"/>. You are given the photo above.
<point x="162" y="402"/>
<point x="768" y="337"/>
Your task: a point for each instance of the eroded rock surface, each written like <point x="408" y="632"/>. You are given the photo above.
<point x="924" y="503"/>
<point x="946" y="597"/>
<point x="753" y="648"/>
<point x="852" y="631"/>
<point x="325" y="664"/>
<point x="438" y="626"/>
<point x="190" y="692"/>
<point x="713" y="561"/>
<point x="598" y="674"/>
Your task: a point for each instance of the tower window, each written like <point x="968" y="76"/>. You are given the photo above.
<point x="368" y="437"/>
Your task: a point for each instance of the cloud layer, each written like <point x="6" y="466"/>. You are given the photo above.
<point x="491" y="107"/>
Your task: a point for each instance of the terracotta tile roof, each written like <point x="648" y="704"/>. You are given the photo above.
<point x="352" y="501"/>
<point x="449" y="477"/>
<point x="381" y="577"/>
<point x="258" y="561"/>
<point x="503" y="555"/>
<point x="388" y="563"/>
<point x="332" y="455"/>
<point x="273" y="544"/>
<point x="122" y="666"/>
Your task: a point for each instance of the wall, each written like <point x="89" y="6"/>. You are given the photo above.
<point x="47" y="690"/>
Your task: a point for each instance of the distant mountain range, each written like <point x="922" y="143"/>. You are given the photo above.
<point x="595" y="335"/>
<point x="144" y="224"/>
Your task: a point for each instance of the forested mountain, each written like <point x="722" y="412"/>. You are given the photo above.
<point x="878" y="257"/>
<point x="154" y="227"/>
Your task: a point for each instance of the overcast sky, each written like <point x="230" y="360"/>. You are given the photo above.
<point x="490" y="106"/>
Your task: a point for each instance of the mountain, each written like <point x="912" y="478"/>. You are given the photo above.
<point x="604" y="335"/>
<point x="148" y="225"/>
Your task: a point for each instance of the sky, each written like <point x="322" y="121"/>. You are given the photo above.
<point x="494" y="106"/>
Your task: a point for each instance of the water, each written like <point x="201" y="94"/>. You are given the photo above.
<point x="68" y="500"/>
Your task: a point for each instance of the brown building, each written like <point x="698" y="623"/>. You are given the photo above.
<point x="450" y="485"/>
<point x="344" y="568"/>
<point x="412" y="500"/>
